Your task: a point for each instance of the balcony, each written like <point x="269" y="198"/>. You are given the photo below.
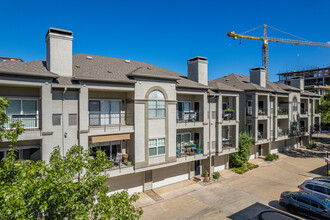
<point x="110" y="120"/>
<point x="282" y="132"/>
<point x="228" y="114"/>
<point x="185" y="117"/>
<point x="30" y="122"/>
<point x="262" y="111"/>
<point x="262" y="136"/>
<point x="188" y="149"/>
<point x="303" y="111"/>
<point x="227" y="143"/>
<point x="282" y="111"/>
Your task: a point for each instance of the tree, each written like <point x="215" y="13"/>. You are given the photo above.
<point x="324" y="108"/>
<point x="70" y="186"/>
<point x="8" y="130"/>
<point x="244" y="145"/>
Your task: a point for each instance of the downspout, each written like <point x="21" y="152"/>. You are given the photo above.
<point x="210" y="143"/>
<point x="63" y="134"/>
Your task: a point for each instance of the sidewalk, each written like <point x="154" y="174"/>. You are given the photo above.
<point x="174" y="191"/>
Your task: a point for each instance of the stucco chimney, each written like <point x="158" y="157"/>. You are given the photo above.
<point x="197" y="70"/>
<point x="298" y="83"/>
<point x="258" y="76"/>
<point x="59" y="51"/>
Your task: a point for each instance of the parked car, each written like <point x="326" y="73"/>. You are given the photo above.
<point x="319" y="186"/>
<point x="321" y="179"/>
<point x="306" y="203"/>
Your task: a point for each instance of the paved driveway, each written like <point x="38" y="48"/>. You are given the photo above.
<point x="237" y="197"/>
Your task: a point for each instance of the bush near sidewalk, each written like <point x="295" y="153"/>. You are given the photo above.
<point x="271" y="157"/>
<point x="312" y="145"/>
<point x="216" y="175"/>
<point x="244" y="168"/>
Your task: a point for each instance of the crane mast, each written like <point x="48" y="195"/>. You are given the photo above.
<point x="265" y="40"/>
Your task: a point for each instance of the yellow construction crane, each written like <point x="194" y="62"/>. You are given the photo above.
<point x="266" y="39"/>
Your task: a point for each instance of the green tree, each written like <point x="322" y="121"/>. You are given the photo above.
<point x="8" y="130"/>
<point x="244" y="145"/>
<point x="70" y="186"/>
<point x="324" y="108"/>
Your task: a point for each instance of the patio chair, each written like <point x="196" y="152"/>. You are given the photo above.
<point x="118" y="160"/>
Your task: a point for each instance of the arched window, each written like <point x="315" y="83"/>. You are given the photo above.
<point x="294" y="104"/>
<point x="156" y="104"/>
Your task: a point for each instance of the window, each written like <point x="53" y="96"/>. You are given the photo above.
<point x="303" y="200"/>
<point x="319" y="189"/>
<point x="25" y="110"/>
<point x="294" y="104"/>
<point x="104" y="112"/>
<point x="156" y="146"/>
<point x="73" y="119"/>
<point x="112" y="149"/>
<point x="309" y="186"/>
<point x="156" y="104"/>
<point x="249" y="107"/>
<point x="56" y="119"/>
<point x="314" y="204"/>
<point x="24" y="152"/>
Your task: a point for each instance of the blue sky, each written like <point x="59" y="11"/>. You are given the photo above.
<point x="167" y="33"/>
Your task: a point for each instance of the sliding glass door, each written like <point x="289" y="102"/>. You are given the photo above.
<point x="104" y="112"/>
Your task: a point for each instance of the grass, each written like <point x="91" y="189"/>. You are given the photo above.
<point x="246" y="167"/>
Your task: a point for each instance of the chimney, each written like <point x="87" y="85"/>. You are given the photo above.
<point x="59" y="51"/>
<point x="258" y="76"/>
<point x="197" y="70"/>
<point x="298" y="83"/>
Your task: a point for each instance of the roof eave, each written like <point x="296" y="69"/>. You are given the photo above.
<point x="23" y="73"/>
<point x="104" y="80"/>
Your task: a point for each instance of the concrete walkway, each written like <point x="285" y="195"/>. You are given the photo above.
<point x="237" y="196"/>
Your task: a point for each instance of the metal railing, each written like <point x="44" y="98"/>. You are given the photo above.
<point x="303" y="129"/>
<point x="111" y="119"/>
<point x="282" y="111"/>
<point x="228" y="115"/>
<point x="262" y="135"/>
<point x="262" y="111"/>
<point x="282" y="132"/>
<point x="30" y="122"/>
<point x="189" y="150"/>
<point x="303" y="111"/>
<point x="187" y="117"/>
<point x="227" y="143"/>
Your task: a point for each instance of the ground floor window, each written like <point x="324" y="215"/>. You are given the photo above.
<point x="24" y="153"/>
<point x="156" y="146"/>
<point x="112" y="149"/>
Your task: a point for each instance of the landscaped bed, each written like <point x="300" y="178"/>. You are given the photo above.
<point x="244" y="168"/>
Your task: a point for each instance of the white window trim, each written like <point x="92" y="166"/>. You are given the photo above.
<point x="21" y="112"/>
<point x="157" y="147"/>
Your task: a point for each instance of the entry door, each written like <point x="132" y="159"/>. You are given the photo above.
<point x="115" y="112"/>
<point x="196" y="108"/>
<point x="196" y="138"/>
<point x="259" y="150"/>
<point x="197" y="168"/>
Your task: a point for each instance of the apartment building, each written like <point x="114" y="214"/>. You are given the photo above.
<point x="316" y="80"/>
<point x="156" y="126"/>
<point x="280" y="117"/>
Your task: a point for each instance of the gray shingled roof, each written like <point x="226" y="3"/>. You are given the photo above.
<point x="103" y="68"/>
<point x="215" y="85"/>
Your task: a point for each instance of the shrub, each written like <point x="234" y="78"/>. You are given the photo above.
<point x="271" y="157"/>
<point x="243" y="154"/>
<point x="244" y="168"/>
<point x="312" y="145"/>
<point x="216" y="175"/>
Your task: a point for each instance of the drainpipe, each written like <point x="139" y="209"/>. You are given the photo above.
<point x="63" y="133"/>
<point x="210" y="143"/>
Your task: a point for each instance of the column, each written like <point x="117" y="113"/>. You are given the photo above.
<point x="83" y="117"/>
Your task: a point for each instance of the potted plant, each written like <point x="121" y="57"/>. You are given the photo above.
<point x="199" y="149"/>
<point x="229" y="110"/>
<point x="129" y="163"/>
<point x="206" y="176"/>
<point x="125" y="158"/>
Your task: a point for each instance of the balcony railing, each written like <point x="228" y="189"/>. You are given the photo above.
<point x="30" y="122"/>
<point x="112" y="119"/>
<point x="303" y="129"/>
<point x="262" y="135"/>
<point x="316" y="128"/>
<point x="282" y="132"/>
<point x="282" y="111"/>
<point x="227" y="143"/>
<point x="188" y="149"/>
<point x="187" y="117"/>
<point x="262" y="111"/>
<point x="228" y="115"/>
<point x="295" y="132"/>
<point x="303" y="111"/>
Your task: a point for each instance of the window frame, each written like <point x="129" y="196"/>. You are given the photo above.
<point x="157" y="109"/>
<point x="21" y="99"/>
<point x="157" y="147"/>
<point x="99" y="112"/>
<point x="295" y="104"/>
